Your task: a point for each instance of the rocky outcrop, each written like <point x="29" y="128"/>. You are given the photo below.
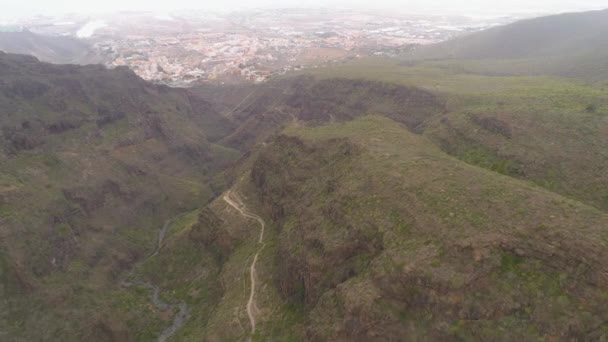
<point x="26" y="88"/>
<point x="309" y="259"/>
<point x="90" y="199"/>
<point x="27" y="136"/>
<point x="209" y="232"/>
<point x="315" y="101"/>
<point x="373" y="255"/>
<point x="92" y="159"/>
<point x="475" y="286"/>
<point x="343" y="99"/>
<point x="494" y="125"/>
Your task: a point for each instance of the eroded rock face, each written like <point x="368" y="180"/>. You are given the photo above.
<point x="319" y="263"/>
<point x="338" y="99"/>
<point x="438" y="283"/>
<point x="28" y="136"/>
<point x="209" y="232"/>
<point x="92" y="198"/>
<point x="344" y="99"/>
<point x="26" y="88"/>
<point x="494" y="125"/>
<point x="92" y="160"/>
<point x="108" y="330"/>
<point x="63" y="125"/>
<point x="108" y="116"/>
<point x="480" y="288"/>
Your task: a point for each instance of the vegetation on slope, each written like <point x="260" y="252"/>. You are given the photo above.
<point x="439" y="200"/>
<point x="549" y="130"/>
<point x="572" y="45"/>
<point x="310" y="100"/>
<point x="383" y="235"/>
<point x="92" y="161"/>
<point x="375" y="232"/>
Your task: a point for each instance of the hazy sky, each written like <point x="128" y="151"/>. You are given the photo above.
<point x="21" y="8"/>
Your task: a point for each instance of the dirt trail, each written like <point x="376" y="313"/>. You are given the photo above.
<point x="236" y="203"/>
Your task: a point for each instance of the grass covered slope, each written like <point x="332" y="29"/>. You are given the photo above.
<point x="474" y="213"/>
<point x="426" y="201"/>
<point x="381" y="235"/>
<point x="373" y="232"/>
<point x="539" y="37"/>
<point x="204" y="262"/>
<point x="572" y="44"/>
<point x="549" y="130"/>
<point x="92" y="161"/>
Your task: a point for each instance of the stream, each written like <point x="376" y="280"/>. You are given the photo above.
<point x="178" y="320"/>
<point x="181" y="316"/>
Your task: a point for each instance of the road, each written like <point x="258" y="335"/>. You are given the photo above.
<point x="235" y="202"/>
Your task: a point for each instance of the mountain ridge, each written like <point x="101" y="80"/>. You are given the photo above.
<point x="571" y="44"/>
<point x="92" y="161"/>
<point x="424" y="199"/>
<point x="63" y="50"/>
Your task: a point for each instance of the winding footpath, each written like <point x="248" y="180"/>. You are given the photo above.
<point x="234" y="202"/>
<point x="180" y="317"/>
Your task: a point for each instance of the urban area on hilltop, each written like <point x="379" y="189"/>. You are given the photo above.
<point x="182" y="49"/>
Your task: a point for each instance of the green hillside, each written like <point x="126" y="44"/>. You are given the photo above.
<point x="373" y="232"/>
<point x="549" y="130"/>
<point x="474" y="214"/>
<point x="377" y="232"/>
<point x="92" y="161"/>
<point x="380" y="234"/>
<point x="572" y="45"/>
<point x="367" y="200"/>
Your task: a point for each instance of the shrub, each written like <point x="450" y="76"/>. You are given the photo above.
<point x="591" y="108"/>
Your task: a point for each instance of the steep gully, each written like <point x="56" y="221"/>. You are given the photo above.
<point x="235" y="202"/>
<point x="180" y="317"/>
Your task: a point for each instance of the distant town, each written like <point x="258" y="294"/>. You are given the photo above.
<point x="184" y="49"/>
